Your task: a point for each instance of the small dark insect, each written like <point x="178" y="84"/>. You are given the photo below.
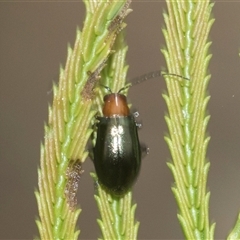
<point x="117" y="153"/>
<point x="73" y="174"/>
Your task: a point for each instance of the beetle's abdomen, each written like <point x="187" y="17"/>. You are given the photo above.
<point x="117" y="153"/>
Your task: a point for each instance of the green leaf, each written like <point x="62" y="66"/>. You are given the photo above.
<point x="117" y="215"/>
<point x="235" y="233"/>
<point x="70" y="120"/>
<point x="187" y="27"/>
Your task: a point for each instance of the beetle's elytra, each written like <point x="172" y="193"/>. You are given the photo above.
<point x="117" y="153"/>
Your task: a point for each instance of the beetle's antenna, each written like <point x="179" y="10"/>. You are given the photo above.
<point x="173" y="74"/>
<point x="145" y="77"/>
<point x="106" y="87"/>
<point x="125" y="87"/>
<point x="153" y="74"/>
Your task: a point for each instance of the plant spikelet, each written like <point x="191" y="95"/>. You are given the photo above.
<point x="187" y="27"/>
<point x="70" y="120"/>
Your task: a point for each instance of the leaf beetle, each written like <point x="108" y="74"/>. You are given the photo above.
<point x="117" y="152"/>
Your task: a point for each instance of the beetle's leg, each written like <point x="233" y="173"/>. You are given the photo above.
<point x="144" y="149"/>
<point x="96" y="185"/>
<point x="92" y="142"/>
<point x="139" y="125"/>
<point x="136" y="114"/>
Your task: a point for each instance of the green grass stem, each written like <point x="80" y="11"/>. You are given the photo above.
<point x="186" y="34"/>
<point x="71" y="117"/>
